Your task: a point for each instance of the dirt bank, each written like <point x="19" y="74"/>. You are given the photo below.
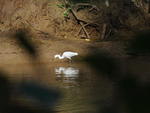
<point x="52" y="34"/>
<point x="10" y="52"/>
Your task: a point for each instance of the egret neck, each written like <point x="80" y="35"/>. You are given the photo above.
<point x="60" y="57"/>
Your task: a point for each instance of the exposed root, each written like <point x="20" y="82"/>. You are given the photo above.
<point x="80" y="5"/>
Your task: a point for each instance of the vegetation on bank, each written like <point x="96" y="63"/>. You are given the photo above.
<point x="82" y="19"/>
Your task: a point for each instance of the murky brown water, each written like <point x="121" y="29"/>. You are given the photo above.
<point x="81" y="90"/>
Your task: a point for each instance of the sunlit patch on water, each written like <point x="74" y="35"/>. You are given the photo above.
<point x="68" y="72"/>
<point x="67" y="75"/>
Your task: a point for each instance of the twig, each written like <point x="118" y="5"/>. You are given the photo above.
<point x="91" y="31"/>
<point x="81" y="23"/>
<point x="103" y="31"/>
<point x="87" y="34"/>
<point x="149" y="6"/>
<point x="109" y="33"/>
<point x="93" y="7"/>
<point x="81" y="28"/>
<point x="88" y="24"/>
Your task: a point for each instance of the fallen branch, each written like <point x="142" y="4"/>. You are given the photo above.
<point x="93" y="7"/>
<point x="89" y="24"/>
<point x="81" y="23"/>
<point x="108" y="34"/>
<point x="87" y="34"/>
<point x="81" y="28"/>
<point x="149" y="6"/>
<point x="104" y="31"/>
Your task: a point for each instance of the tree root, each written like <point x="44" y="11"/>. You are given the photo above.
<point x="83" y="25"/>
<point x="80" y="5"/>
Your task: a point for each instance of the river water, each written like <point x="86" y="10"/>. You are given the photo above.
<point x="83" y="90"/>
<point x="79" y="88"/>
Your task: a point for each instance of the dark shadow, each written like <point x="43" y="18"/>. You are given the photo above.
<point x="41" y="95"/>
<point x="129" y="94"/>
<point x="104" y="63"/>
<point x="134" y="96"/>
<point x="140" y="44"/>
<point x="5" y="92"/>
<point x="129" y="97"/>
<point x="28" y="97"/>
<point x="24" y="41"/>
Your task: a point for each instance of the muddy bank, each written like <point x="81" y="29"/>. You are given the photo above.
<point x="46" y="18"/>
<point x="52" y="34"/>
<point x="10" y="52"/>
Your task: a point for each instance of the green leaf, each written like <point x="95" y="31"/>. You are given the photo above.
<point x="61" y="5"/>
<point x="65" y="14"/>
<point x="69" y="9"/>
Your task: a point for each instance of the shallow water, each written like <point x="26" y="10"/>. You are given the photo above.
<point x="81" y="90"/>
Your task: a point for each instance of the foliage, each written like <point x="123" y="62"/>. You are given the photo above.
<point x="61" y="6"/>
<point x="67" y="10"/>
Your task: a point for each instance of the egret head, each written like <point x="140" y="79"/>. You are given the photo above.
<point x="76" y="53"/>
<point x="56" y="56"/>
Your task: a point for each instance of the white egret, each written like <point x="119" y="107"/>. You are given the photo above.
<point x="66" y="54"/>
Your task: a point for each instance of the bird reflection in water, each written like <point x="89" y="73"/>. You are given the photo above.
<point x="67" y="75"/>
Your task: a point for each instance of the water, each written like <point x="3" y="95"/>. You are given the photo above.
<point x="81" y="89"/>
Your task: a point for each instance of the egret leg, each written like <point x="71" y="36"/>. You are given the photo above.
<point x="70" y="60"/>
